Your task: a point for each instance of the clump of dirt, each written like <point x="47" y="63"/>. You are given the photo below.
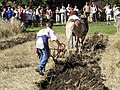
<point x="78" y="72"/>
<point x="4" y="44"/>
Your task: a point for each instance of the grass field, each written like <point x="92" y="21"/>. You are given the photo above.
<point x="101" y="27"/>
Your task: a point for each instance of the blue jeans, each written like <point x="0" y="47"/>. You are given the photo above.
<point x="43" y="57"/>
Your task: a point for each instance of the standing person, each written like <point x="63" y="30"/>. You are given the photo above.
<point x="63" y="15"/>
<point x="48" y="14"/>
<point x="68" y="10"/>
<point x="37" y="12"/>
<point x="71" y="11"/>
<point x="94" y="12"/>
<point x="20" y="12"/>
<point x="108" y="14"/>
<point x="57" y="12"/>
<point x="86" y="10"/>
<point x="42" y="46"/>
<point x="29" y="15"/>
<point x="9" y="13"/>
<point x="77" y="10"/>
<point x="3" y="14"/>
<point x="117" y="14"/>
<point x="114" y="9"/>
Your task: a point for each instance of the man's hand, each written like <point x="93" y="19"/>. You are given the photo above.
<point x="60" y="45"/>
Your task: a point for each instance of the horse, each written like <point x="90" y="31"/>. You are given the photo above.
<point x="79" y="28"/>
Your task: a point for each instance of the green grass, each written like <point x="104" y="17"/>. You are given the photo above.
<point x="100" y="27"/>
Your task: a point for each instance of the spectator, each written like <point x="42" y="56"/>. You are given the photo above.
<point x="114" y="9"/>
<point x="106" y="6"/>
<point x="108" y="12"/>
<point x="94" y="12"/>
<point x="77" y="10"/>
<point x="29" y="16"/>
<point x="37" y="12"/>
<point x="41" y="16"/>
<point x="42" y="46"/>
<point x="20" y="12"/>
<point x="71" y="11"/>
<point x="86" y="10"/>
<point x="48" y="14"/>
<point x="3" y="14"/>
<point x="9" y="13"/>
<point x="57" y="12"/>
<point x="68" y="10"/>
<point x="16" y="13"/>
<point x="63" y="15"/>
<point x="35" y="24"/>
<point x="117" y="14"/>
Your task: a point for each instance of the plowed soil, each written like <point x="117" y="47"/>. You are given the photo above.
<point x="78" y="71"/>
<point x="11" y="42"/>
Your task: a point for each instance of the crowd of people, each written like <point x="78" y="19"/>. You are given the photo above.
<point x="37" y="16"/>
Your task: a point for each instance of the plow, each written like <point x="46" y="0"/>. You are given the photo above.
<point x="58" y="52"/>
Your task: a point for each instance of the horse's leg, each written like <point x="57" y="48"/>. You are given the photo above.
<point x="77" y="41"/>
<point x="81" y="43"/>
<point x="71" y="41"/>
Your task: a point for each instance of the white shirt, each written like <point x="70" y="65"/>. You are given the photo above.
<point x="108" y="11"/>
<point x="29" y="15"/>
<point x="73" y="17"/>
<point x="94" y="9"/>
<point x="63" y="11"/>
<point x="48" y="32"/>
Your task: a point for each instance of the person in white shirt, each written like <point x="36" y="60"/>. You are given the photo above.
<point x="29" y="15"/>
<point x="42" y="46"/>
<point x="63" y="15"/>
<point x="114" y="9"/>
<point x="57" y="12"/>
<point x="68" y="10"/>
<point x="94" y="12"/>
<point x="76" y="9"/>
<point x="108" y="14"/>
<point x="117" y="15"/>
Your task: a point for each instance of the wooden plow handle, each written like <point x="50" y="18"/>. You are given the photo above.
<point x="57" y="52"/>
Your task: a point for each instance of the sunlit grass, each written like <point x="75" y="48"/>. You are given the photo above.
<point x="100" y="27"/>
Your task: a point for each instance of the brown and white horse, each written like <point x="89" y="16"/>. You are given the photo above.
<point x="79" y="29"/>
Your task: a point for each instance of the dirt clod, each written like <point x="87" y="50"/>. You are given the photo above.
<point x="79" y="72"/>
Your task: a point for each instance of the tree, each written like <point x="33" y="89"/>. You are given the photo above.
<point x="111" y="2"/>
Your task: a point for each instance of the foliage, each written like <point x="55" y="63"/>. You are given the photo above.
<point x="50" y="3"/>
<point x="111" y="2"/>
